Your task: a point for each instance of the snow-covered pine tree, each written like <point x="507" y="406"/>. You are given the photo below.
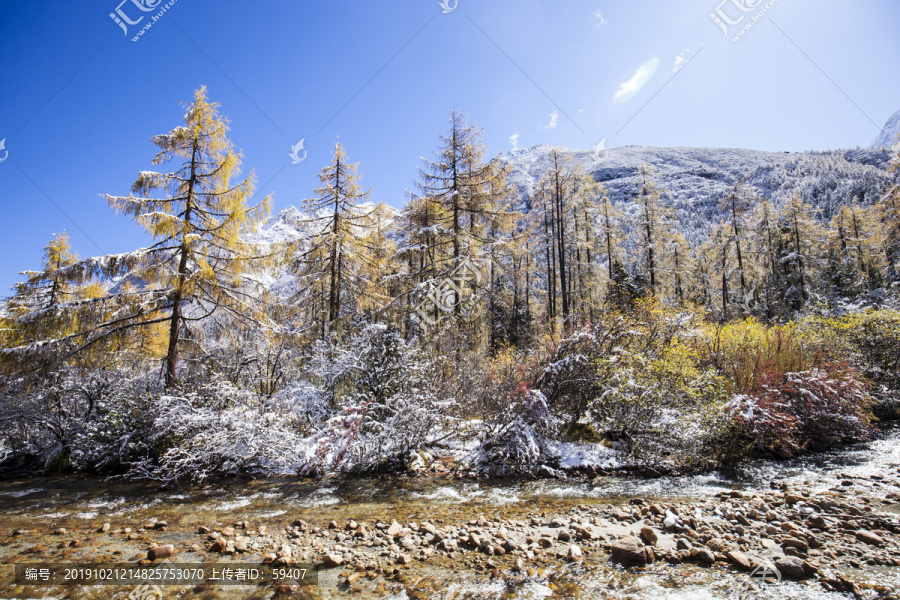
<point x="338" y="266"/>
<point x="651" y="227"/>
<point x="855" y="260"/>
<point x="452" y="218"/>
<point x="199" y="265"/>
<point x="588" y="273"/>
<point x="460" y="181"/>
<point x="39" y="308"/>
<point x="736" y="205"/>
<point x="803" y="245"/>
<point x="889" y="209"/>
<point x="198" y="269"/>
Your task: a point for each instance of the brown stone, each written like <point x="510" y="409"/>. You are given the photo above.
<point x="649" y="535"/>
<point x="330" y="561"/>
<point x="631" y="552"/>
<point x="869" y="538"/>
<point x="740" y="560"/>
<point x="161" y="552"/>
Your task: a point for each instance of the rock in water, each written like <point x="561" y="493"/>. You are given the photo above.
<point x="649" y="535"/>
<point x="329" y="561"/>
<point x="791" y="567"/>
<point x="631" y="552"/>
<point x="161" y="552"/>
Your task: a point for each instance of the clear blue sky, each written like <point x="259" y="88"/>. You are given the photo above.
<point x="79" y="100"/>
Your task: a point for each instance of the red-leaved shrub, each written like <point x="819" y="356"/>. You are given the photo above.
<point x="805" y="411"/>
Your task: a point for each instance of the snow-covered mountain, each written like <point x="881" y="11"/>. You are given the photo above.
<point x="695" y="179"/>
<point x="889" y="133"/>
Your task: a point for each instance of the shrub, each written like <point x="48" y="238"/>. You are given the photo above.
<point x="750" y="352"/>
<point x="659" y="408"/>
<point x="805" y="411"/>
<point x="390" y="401"/>
<point x="874" y="340"/>
<point x="91" y="420"/>
<point x="518" y="434"/>
<point x="217" y="429"/>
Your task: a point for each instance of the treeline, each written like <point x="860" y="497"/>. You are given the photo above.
<point x="457" y="274"/>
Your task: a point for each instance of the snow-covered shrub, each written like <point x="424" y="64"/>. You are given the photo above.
<point x="388" y="398"/>
<point x="518" y="435"/>
<point x="658" y="406"/>
<point x="808" y="410"/>
<point x="310" y="405"/>
<point x="95" y="420"/>
<point x="218" y="429"/>
<point x="118" y="430"/>
<point x="569" y="377"/>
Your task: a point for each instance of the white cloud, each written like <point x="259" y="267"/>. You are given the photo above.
<point x="627" y="89"/>
<point x="514" y="141"/>
<point x="554" y="118"/>
<point x="681" y="60"/>
<point x="580" y="110"/>
<point x="600" y="20"/>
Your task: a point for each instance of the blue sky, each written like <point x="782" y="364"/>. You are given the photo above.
<point x="79" y="99"/>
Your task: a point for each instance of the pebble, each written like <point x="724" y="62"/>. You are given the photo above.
<point x="330" y="561"/>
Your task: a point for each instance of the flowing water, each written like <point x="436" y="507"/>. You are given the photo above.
<point x="81" y="503"/>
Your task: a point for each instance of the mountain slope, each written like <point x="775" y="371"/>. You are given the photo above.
<point x="694" y="179"/>
<point x="889" y="133"/>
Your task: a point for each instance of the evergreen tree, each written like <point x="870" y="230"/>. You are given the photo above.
<point x="198" y="268"/>
<point x="338" y="265"/>
<point x="37" y="309"/>
<point x="803" y="242"/>
<point x="650" y="226"/>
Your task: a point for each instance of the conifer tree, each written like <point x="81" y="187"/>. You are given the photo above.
<point x="198" y="267"/>
<point x="889" y="211"/>
<point x="36" y="309"/>
<point x="609" y="231"/>
<point x="737" y="205"/>
<point x="650" y="226"/>
<point x="803" y="242"/>
<point x="341" y="253"/>
<point x="456" y="212"/>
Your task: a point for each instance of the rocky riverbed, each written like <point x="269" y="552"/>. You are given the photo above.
<point x="825" y="539"/>
<point x="834" y="534"/>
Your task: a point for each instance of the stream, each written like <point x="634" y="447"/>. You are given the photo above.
<point x="80" y="504"/>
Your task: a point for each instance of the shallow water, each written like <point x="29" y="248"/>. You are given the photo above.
<point x="82" y="502"/>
